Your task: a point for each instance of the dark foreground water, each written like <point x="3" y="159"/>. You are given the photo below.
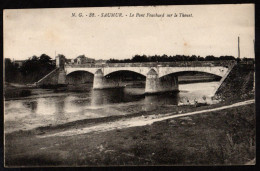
<point x="47" y="107"/>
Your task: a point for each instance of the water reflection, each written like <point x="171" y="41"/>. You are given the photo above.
<point x="83" y="104"/>
<point x="60" y="112"/>
<point x="108" y="96"/>
<point x="32" y="105"/>
<point x="152" y="102"/>
<point x="46" y="106"/>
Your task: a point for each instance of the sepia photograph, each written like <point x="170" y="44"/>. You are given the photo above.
<point x="129" y="86"/>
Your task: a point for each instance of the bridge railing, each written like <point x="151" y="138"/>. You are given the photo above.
<point x="226" y="63"/>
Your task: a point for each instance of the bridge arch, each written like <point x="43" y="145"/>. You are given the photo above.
<point x="71" y="70"/>
<point x="124" y="71"/>
<point x="79" y="77"/>
<point x="79" y="71"/>
<point x="126" y="77"/>
<point x="140" y="70"/>
<point x="218" y="71"/>
<point x="181" y="73"/>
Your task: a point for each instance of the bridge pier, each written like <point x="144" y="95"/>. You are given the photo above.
<point x="101" y="82"/>
<point x="61" y="76"/>
<point x="154" y="84"/>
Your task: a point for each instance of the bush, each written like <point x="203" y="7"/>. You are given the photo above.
<point x="24" y="93"/>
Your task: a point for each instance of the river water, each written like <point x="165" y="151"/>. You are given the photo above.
<point x="47" y="107"/>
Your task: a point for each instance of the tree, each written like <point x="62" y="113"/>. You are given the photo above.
<point x="138" y="58"/>
<point x="210" y="58"/>
<point x="11" y="70"/>
<point x="200" y="58"/>
<point x="35" y="68"/>
<point x="45" y="59"/>
<point x="193" y="58"/>
<point x="227" y="58"/>
<point x="8" y="62"/>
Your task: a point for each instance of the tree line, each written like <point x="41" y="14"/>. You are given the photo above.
<point x="166" y="58"/>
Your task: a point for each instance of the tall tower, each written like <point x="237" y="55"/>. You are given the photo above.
<point x="60" y="61"/>
<point x="238" y="48"/>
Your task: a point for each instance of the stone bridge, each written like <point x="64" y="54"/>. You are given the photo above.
<point x="160" y="76"/>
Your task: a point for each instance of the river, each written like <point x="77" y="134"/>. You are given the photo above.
<point x="47" y="107"/>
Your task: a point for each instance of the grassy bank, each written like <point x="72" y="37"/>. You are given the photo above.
<point x="222" y="137"/>
<point x="239" y="83"/>
<point x="16" y="90"/>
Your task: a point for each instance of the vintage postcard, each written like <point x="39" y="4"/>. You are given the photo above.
<point x="129" y="86"/>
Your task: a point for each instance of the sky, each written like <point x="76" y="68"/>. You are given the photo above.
<point x="212" y="30"/>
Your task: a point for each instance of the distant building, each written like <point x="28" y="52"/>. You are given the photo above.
<point x="90" y="60"/>
<point x="82" y="59"/>
<point x="69" y="61"/>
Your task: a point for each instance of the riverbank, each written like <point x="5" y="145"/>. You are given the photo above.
<point x="226" y="137"/>
<point x="12" y="90"/>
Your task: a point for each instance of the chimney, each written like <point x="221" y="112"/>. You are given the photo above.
<point x="238" y="48"/>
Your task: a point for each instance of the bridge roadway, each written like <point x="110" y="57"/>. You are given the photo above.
<point x="160" y="76"/>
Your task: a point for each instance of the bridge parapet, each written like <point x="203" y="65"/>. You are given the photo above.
<point x="157" y="64"/>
